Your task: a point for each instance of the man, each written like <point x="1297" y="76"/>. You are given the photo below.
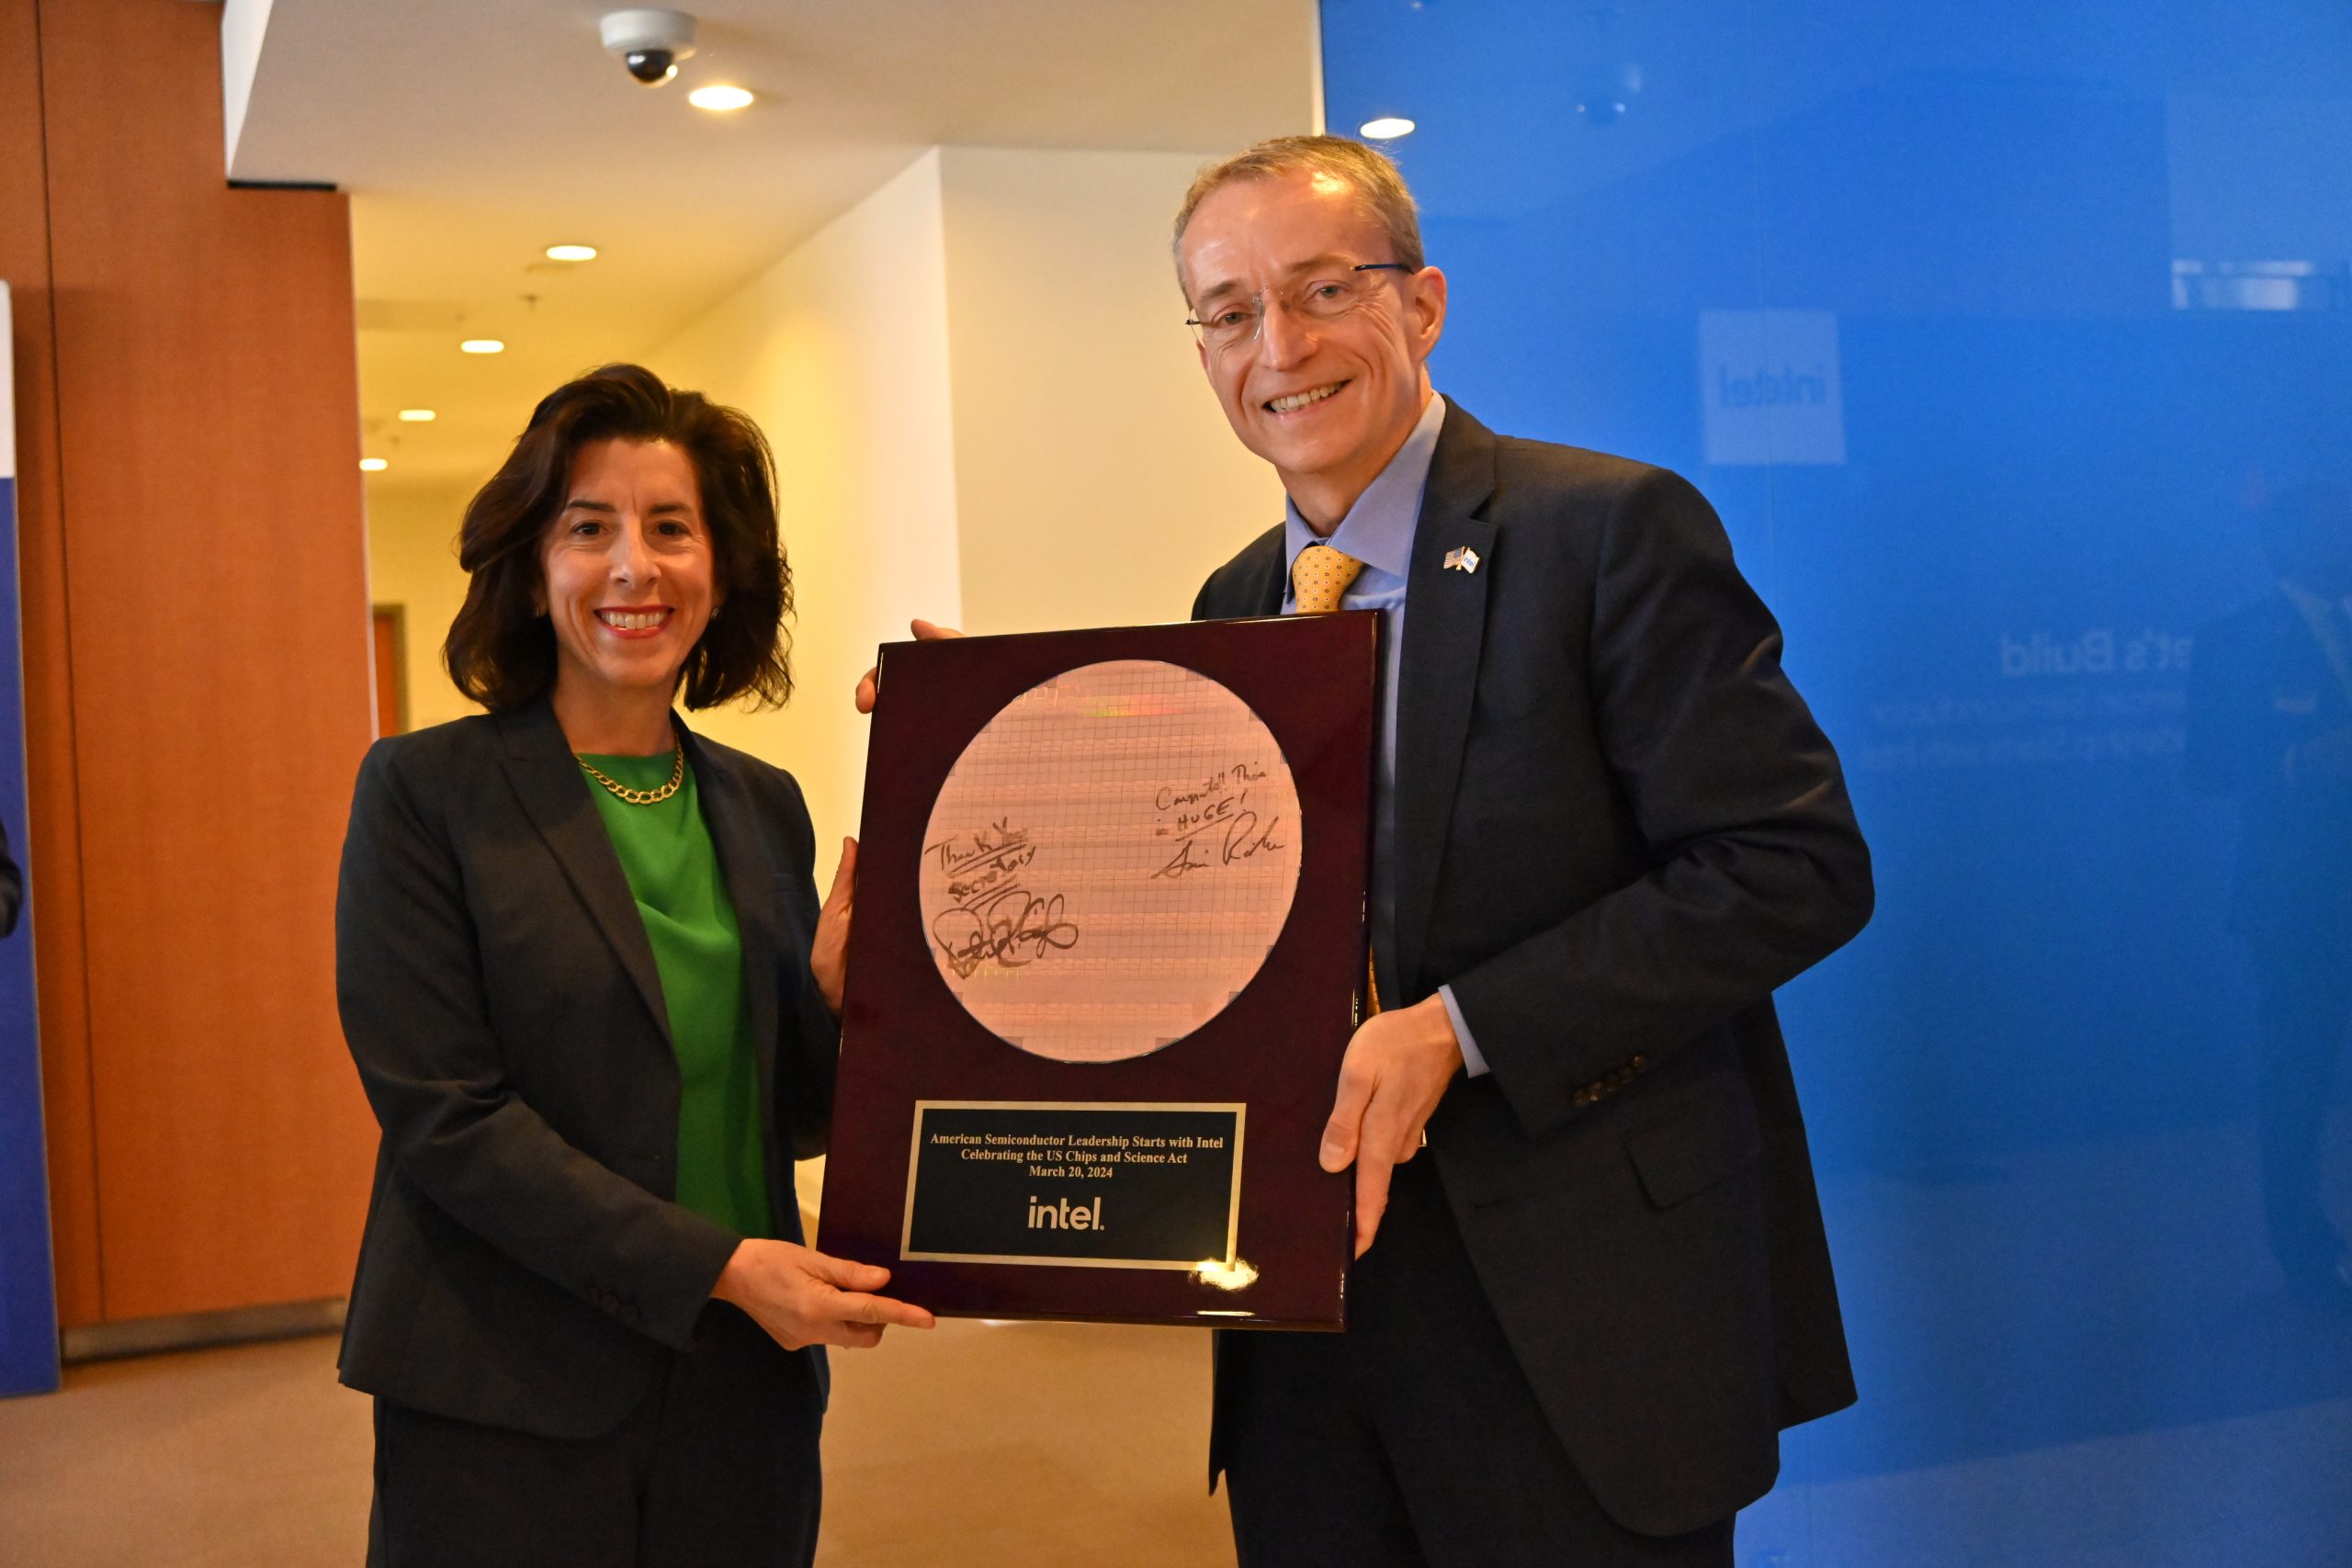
<point x="1607" y="828"/>
<point x="2270" y="727"/>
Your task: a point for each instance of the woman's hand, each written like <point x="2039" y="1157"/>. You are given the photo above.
<point x="803" y="1297"/>
<point x="829" y="953"/>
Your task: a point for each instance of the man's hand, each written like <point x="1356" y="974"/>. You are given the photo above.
<point x="869" y="685"/>
<point x="829" y="953"/>
<point x="1396" y="1071"/>
<point x="802" y="1297"/>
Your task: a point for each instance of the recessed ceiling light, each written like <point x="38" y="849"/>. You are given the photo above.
<point x="416" y="416"/>
<point x="572" y="252"/>
<point x="373" y="465"/>
<point x="482" y="346"/>
<point x="720" y="100"/>
<point x="1387" y="127"/>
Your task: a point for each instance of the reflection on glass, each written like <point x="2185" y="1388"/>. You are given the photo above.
<point x="2015" y="345"/>
<point x="2270" y="728"/>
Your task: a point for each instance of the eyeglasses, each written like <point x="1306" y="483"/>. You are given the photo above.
<point x="1320" y="299"/>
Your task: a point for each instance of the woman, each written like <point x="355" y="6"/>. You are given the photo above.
<point x="583" y="974"/>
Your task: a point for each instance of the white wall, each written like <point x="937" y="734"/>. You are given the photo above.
<point x="244" y="24"/>
<point x="1096" y="481"/>
<point x="839" y="352"/>
<point x="412" y="562"/>
<point x="987" y="411"/>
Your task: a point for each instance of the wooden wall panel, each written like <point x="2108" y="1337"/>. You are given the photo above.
<point x="216" y="599"/>
<point x="53" y="853"/>
<point x="390" y="648"/>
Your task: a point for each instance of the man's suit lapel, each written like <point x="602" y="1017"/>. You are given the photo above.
<point x="1445" y="626"/>
<point x="728" y="809"/>
<point x="1271" y="581"/>
<point x="554" y="793"/>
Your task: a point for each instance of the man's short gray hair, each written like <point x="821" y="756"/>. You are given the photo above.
<point x="1375" y="177"/>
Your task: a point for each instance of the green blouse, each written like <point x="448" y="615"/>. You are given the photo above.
<point x="674" y="874"/>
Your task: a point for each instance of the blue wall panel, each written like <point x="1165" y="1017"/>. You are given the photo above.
<point x="1999" y="333"/>
<point x="28" y="1288"/>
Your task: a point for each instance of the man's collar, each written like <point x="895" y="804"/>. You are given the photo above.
<point x="1378" y="529"/>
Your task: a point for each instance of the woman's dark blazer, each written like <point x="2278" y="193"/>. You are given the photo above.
<point x="523" y="1264"/>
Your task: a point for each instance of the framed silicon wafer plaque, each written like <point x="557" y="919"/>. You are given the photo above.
<point x="1108" y="952"/>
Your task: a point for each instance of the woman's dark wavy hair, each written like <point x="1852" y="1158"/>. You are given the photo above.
<point x="501" y="652"/>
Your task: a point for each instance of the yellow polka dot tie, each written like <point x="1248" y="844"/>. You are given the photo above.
<point x="1318" y="580"/>
<point x="1319" y="577"/>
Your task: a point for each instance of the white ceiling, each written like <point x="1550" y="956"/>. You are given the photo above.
<point x="474" y="135"/>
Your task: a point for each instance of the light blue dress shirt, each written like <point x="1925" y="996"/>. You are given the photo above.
<point x="1378" y="531"/>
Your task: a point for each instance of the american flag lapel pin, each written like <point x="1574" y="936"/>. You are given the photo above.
<point x="1462" y="558"/>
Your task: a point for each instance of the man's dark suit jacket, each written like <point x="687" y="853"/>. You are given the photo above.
<point x="1617" y="830"/>
<point x="522" y="1264"/>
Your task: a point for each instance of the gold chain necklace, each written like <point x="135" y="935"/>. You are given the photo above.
<point x="639" y="796"/>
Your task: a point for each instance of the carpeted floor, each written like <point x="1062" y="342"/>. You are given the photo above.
<point x="977" y="1445"/>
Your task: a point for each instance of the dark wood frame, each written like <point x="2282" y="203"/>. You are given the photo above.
<point x="1276" y="1047"/>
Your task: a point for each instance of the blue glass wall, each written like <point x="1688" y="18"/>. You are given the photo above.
<point x="2014" y="341"/>
<point x="28" y="1286"/>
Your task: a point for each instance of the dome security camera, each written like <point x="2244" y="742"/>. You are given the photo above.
<point x="650" y="44"/>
